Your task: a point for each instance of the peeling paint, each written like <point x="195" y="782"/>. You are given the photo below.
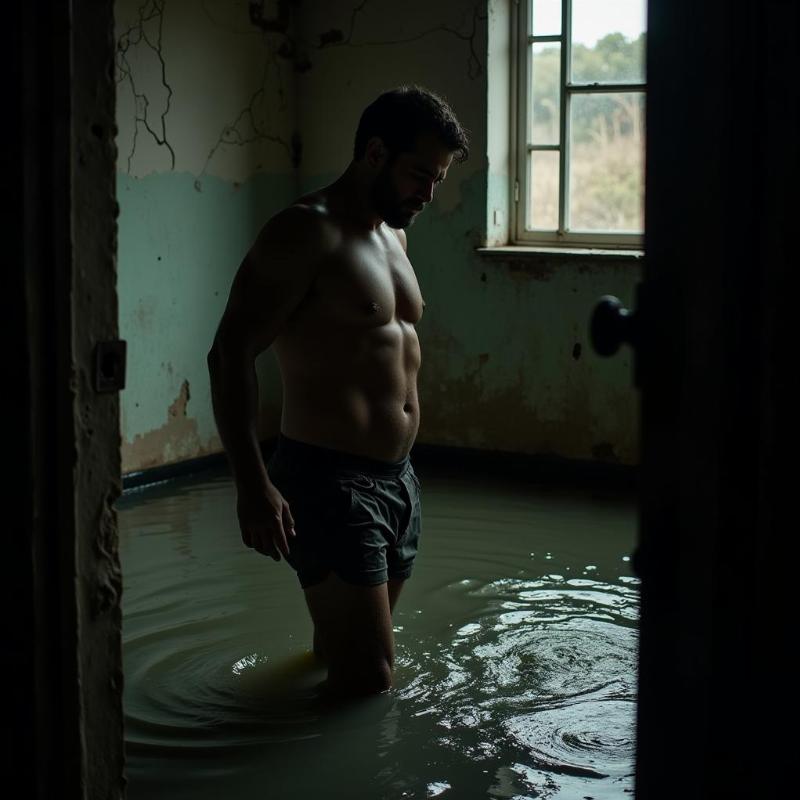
<point x="178" y="408"/>
<point x="176" y="440"/>
<point x="542" y="391"/>
<point x="169" y="309"/>
<point x="464" y="412"/>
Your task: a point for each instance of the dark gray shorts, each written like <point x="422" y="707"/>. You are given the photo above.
<point x="355" y="516"/>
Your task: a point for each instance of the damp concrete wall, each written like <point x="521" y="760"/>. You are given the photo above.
<point x="205" y="116"/>
<point x="216" y="107"/>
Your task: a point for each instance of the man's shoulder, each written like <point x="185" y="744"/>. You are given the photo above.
<point x="300" y="217"/>
<point x="302" y="225"/>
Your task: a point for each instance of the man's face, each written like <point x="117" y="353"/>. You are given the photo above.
<point x="405" y="185"/>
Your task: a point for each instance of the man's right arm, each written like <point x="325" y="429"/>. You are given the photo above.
<point x="271" y="282"/>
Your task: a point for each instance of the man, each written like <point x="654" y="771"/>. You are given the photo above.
<point x="328" y="285"/>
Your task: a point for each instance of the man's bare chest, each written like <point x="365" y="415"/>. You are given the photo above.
<point x="370" y="284"/>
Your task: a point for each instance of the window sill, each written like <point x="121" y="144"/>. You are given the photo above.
<point x="522" y="252"/>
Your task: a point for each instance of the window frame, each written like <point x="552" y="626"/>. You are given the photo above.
<point x="522" y="47"/>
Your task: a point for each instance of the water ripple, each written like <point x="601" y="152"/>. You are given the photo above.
<point x="515" y="658"/>
<point x="548" y="662"/>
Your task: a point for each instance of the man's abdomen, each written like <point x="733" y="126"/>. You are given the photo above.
<point x="352" y="389"/>
<point x="351" y="420"/>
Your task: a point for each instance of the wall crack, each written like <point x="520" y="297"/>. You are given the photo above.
<point x="134" y="37"/>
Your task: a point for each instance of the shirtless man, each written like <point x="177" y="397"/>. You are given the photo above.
<point x="328" y="285"/>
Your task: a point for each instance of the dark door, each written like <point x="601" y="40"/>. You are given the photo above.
<point x="715" y="357"/>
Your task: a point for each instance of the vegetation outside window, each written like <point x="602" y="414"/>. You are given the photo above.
<point x="579" y="132"/>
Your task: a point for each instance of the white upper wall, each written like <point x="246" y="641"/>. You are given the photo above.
<point x="382" y="44"/>
<point x="201" y="89"/>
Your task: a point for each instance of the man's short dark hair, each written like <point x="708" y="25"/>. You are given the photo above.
<point x="400" y="115"/>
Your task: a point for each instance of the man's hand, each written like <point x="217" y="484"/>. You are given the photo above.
<point x="265" y="520"/>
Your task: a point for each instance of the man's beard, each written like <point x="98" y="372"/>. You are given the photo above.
<point x="387" y="204"/>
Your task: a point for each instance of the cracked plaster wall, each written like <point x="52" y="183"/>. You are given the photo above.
<point x="205" y="116"/>
<point x="219" y="101"/>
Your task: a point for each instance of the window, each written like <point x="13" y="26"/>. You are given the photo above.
<point x="579" y="128"/>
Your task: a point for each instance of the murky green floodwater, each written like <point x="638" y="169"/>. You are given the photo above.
<point x="516" y="649"/>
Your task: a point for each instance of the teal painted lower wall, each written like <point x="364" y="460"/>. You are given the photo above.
<point x="506" y="361"/>
<point x="178" y="250"/>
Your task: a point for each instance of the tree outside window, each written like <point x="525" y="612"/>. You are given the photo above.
<point x="580" y="151"/>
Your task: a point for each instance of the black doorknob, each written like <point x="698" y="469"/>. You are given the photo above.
<point x="611" y="325"/>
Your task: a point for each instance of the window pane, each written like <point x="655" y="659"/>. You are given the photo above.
<point x="546" y="17"/>
<point x="608" y="41"/>
<point x="546" y="93"/>
<point x="543" y="190"/>
<point x="606" y="162"/>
